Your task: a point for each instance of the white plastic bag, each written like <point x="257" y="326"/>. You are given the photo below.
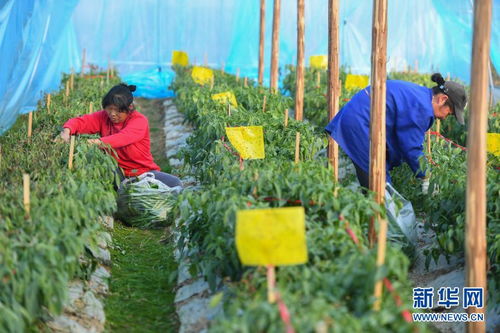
<point x="401" y="216"/>
<point x="144" y="201"/>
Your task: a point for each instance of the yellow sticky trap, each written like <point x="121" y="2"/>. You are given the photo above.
<point x="180" y="58"/>
<point x="318" y="61"/>
<point x="225" y="97"/>
<point x="273" y="236"/>
<point x="202" y="75"/>
<point x="248" y="141"/>
<point x="356" y="81"/>
<point x="493" y="143"/>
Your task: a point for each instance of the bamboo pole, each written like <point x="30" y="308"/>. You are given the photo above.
<point x="438" y="129"/>
<point x="72" y="79"/>
<point x="377" y="132"/>
<point x="241" y="164"/>
<point x="262" y="34"/>
<point x="71" y="152"/>
<point x="84" y="59"/>
<point x="428" y="135"/>
<point x="299" y="81"/>
<point x="48" y="102"/>
<point x="91" y="107"/>
<point x="475" y="221"/>
<point x="30" y="124"/>
<point x="264" y="104"/>
<point x="245" y="82"/>
<point x="275" y="49"/>
<point x="297" y="147"/>
<point x="318" y="79"/>
<point x="271" y="284"/>
<point x="237" y="75"/>
<point x="26" y="195"/>
<point x="223" y="67"/>
<point x="333" y="80"/>
<point x="66" y="95"/>
<point x="286" y="117"/>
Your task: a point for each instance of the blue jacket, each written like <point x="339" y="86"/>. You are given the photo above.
<point x="409" y="114"/>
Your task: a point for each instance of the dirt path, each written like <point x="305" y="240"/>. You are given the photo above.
<point x="144" y="270"/>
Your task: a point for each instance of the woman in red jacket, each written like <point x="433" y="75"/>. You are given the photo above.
<point x="125" y="130"/>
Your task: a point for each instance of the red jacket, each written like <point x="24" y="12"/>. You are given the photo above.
<point x="129" y="139"/>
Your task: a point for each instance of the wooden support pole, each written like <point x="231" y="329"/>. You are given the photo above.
<point x="299" y="81"/>
<point x="275" y="48"/>
<point x="377" y="132"/>
<point x="429" y="151"/>
<point x="271" y="284"/>
<point x="237" y="75"/>
<point x="242" y="167"/>
<point x="264" y="104"/>
<point x="438" y="129"/>
<point x="72" y="79"/>
<point x="223" y="67"/>
<point x="286" y="117"/>
<point x="26" y="195"/>
<point x="245" y="82"/>
<point x="212" y="83"/>
<point x="91" y="107"/>
<point x="66" y="95"/>
<point x="84" y="60"/>
<point x="475" y="212"/>
<point x="48" y="102"/>
<point x="318" y="79"/>
<point x="297" y="147"/>
<point x="30" y="124"/>
<point x="71" y="152"/>
<point x="333" y="80"/>
<point x="262" y="35"/>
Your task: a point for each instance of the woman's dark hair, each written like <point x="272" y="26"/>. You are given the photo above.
<point x="120" y="96"/>
<point x="441" y="88"/>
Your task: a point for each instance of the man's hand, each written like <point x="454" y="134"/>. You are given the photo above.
<point x="425" y="186"/>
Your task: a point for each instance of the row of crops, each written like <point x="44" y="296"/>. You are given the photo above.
<point x="43" y="250"/>
<point x="444" y="210"/>
<point x="334" y="289"/>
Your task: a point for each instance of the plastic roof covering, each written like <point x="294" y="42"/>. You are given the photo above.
<point x="41" y="39"/>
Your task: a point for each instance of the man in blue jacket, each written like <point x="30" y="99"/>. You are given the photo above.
<point x="410" y="112"/>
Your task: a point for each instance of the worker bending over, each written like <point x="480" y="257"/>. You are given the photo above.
<point x="410" y="112"/>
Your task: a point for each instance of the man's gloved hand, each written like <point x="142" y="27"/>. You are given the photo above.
<point x="425" y="185"/>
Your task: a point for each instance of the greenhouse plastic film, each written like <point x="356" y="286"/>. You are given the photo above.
<point x="145" y="202"/>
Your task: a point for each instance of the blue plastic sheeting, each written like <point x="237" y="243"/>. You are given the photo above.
<point x="138" y="37"/>
<point x="152" y="83"/>
<point x="37" y="44"/>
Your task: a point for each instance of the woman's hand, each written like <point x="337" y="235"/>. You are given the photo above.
<point x="94" y="142"/>
<point x="65" y="135"/>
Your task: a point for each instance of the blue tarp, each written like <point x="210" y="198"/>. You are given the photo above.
<point x="41" y="39"/>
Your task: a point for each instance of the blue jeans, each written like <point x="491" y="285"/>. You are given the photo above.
<point x="165" y="178"/>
